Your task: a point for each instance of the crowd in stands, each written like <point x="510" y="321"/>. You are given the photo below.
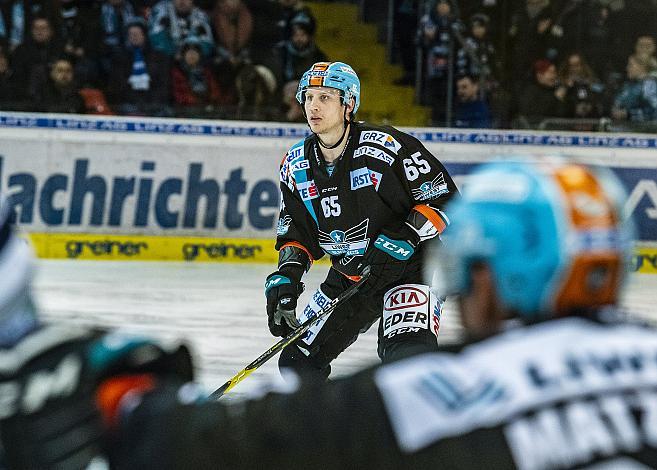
<point x="189" y="58"/>
<point x="481" y="63"/>
<point x="535" y="62"/>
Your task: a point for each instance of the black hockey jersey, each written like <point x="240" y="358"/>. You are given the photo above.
<point x="563" y="394"/>
<point x="383" y="179"/>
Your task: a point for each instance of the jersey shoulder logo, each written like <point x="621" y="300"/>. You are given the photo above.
<point x="293" y="162"/>
<point x="374" y="153"/>
<point x="350" y="242"/>
<point x="380" y="138"/>
<point x="431" y="189"/>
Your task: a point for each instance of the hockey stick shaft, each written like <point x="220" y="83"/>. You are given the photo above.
<point x="289" y="339"/>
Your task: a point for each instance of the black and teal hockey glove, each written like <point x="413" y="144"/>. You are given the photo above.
<point x="282" y="294"/>
<point x="387" y="258"/>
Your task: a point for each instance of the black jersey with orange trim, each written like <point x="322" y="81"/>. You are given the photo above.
<point x="383" y="177"/>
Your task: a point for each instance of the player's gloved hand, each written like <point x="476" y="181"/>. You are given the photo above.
<point x="282" y="294"/>
<point x="48" y="416"/>
<point x="387" y="258"/>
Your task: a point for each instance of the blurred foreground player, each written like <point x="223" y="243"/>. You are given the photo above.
<point x="365" y="196"/>
<point x="550" y="376"/>
<point x="60" y="385"/>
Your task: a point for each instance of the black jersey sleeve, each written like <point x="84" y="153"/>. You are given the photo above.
<point x="295" y="224"/>
<point x="428" y="186"/>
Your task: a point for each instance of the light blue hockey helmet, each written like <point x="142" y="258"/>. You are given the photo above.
<point x="553" y="235"/>
<point x="333" y="75"/>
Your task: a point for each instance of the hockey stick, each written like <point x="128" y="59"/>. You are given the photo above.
<point x="289" y="339"/>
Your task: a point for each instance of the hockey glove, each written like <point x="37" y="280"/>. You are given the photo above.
<point x="282" y="294"/>
<point x="387" y="259"/>
<point x="49" y="418"/>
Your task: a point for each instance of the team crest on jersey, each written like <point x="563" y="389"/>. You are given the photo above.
<point x="431" y="189"/>
<point x="283" y="225"/>
<point x="381" y="138"/>
<point x="350" y="242"/>
<point x="308" y="190"/>
<point x="363" y="177"/>
<point x="374" y="153"/>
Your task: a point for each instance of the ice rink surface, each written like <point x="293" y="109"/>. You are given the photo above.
<point x="218" y="308"/>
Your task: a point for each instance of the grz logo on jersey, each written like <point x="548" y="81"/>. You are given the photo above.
<point x="431" y="189"/>
<point x="308" y="190"/>
<point x="351" y="242"/>
<point x="380" y="138"/>
<point x="283" y="225"/>
<point x="363" y="177"/>
<point x="374" y="153"/>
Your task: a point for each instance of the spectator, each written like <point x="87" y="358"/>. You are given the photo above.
<point x="583" y="90"/>
<point x="266" y="30"/>
<point x="644" y="50"/>
<point x="32" y="60"/>
<point x="637" y="100"/>
<point x="61" y="94"/>
<point x="194" y="86"/>
<point x="114" y="15"/>
<point x="544" y="97"/>
<point x="295" y="55"/>
<point x="532" y="37"/>
<point x="601" y="38"/>
<point x="172" y="21"/>
<point x="256" y="86"/>
<point x="79" y="30"/>
<point x="476" y="57"/>
<point x="8" y="85"/>
<point x="294" y="11"/>
<point x="233" y="24"/>
<point x="436" y="39"/>
<point x="140" y="80"/>
<point x="471" y="110"/>
<point x="291" y="111"/>
<point x="17" y="15"/>
<point x="405" y="28"/>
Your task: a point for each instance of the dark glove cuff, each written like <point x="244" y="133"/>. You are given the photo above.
<point x="405" y="233"/>
<point x="293" y="262"/>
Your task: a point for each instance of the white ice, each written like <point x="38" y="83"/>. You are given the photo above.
<point x="217" y="308"/>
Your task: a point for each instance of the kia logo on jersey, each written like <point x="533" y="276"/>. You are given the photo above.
<point x="404" y="297"/>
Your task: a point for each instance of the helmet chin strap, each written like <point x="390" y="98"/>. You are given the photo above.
<point x="345" y="125"/>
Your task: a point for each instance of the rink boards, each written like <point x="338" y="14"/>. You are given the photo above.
<point x="158" y="189"/>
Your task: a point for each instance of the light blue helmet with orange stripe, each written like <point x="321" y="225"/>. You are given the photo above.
<point x="333" y="75"/>
<point x="552" y="234"/>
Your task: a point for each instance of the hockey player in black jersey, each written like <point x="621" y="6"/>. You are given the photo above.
<point x="365" y="196"/>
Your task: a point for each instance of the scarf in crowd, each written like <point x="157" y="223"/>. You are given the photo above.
<point x="139" y="79"/>
<point x="14" y="28"/>
<point x="113" y="21"/>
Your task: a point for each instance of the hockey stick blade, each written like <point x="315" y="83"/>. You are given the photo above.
<point x="290" y="338"/>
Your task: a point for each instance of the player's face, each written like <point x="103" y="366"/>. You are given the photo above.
<point x="324" y="109"/>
